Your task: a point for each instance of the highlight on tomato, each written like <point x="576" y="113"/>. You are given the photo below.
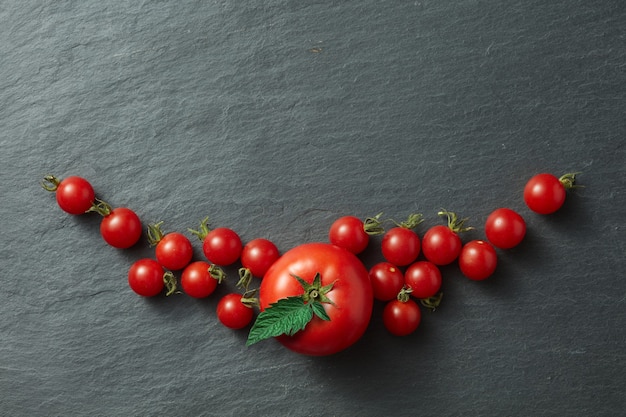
<point x="478" y="260"/>
<point x="316" y="300"/>
<point x="505" y="228"/>
<point x="441" y="244"/>
<point x="147" y="278"/>
<point x="221" y="246"/>
<point x="173" y="250"/>
<point x="74" y="195"/>
<point x="402" y="316"/>
<point x="545" y="193"/>
<point x="353" y="234"/>
<point x="401" y="245"/>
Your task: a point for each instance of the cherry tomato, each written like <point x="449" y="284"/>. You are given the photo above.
<point x="478" y="260"/>
<point x="196" y="280"/>
<point x="145" y="277"/>
<point x="233" y="313"/>
<point x="121" y="228"/>
<point x="401" y="318"/>
<point x="423" y="278"/>
<point x="400" y="246"/>
<point x="387" y="280"/>
<point x="505" y="228"/>
<point x="349" y="233"/>
<point x="544" y="193"/>
<point x="441" y="245"/>
<point x="258" y="255"/>
<point x="174" y="251"/>
<point x="351" y="296"/>
<point x="75" y="195"/>
<point x="222" y="246"/>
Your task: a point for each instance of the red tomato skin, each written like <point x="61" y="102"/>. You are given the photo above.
<point x="258" y="255"/>
<point x="174" y="251"/>
<point x="544" y="193"/>
<point x="387" y="281"/>
<point x="400" y="246"/>
<point x="505" y="228"/>
<point x="402" y="318"/>
<point x="440" y="245"/>
<point x="196" y="280"/>
<point x="121" y="228"/>
<point x="75" y="195"/>
<point x="222" y="246"/>
<point x="351" y="294"/>
<point x="478" y="260"/>
<point x="424" y="279"/>
<point x="232" y="313"/>
<point x="348" y="232"/>
<point x="145" y="277"/>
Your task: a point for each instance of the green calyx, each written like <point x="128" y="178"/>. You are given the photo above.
<point x="569" y="180"/>
<point x="169" y="279"/>
<point x="155" y="234"/>
<point x="289" y="315"/>
<point x="454" y="223"/>
<point x="50" y="183"/>
<point x="203" y="230"/>
<point x="373" y="225"/>
<point x="315" y="292"/>
<point x="101" y="207"/>
<point x="433" y="302"/>
<point x="412" y="221"/>
<point x="217" y="273"/>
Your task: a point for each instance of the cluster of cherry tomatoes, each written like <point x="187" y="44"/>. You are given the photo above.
<point x="441" y="245"/>
<point x="410" y="273"/>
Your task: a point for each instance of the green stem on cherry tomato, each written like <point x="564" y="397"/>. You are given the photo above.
<point x="203" y="231"/>
<point x="217" y="273"/>
<point x="50" y="183"/>
<point x="245" y="278"/>
<point x="403" y="295"/>
<point x="432" y="302"/>
<point x="249" y="299"/>
<point x="373" y="225"/>
<point x="100" y="207"/>
<point x="454" y="223"/>
<point x="412" y="221"/>
<point x="155" y="234"/>
<point x="169" y="279"/>
<point x="569" y="180"/>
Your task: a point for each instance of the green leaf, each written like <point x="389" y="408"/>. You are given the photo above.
<point x="286" y="316"/>
<point x="319" y="310"/>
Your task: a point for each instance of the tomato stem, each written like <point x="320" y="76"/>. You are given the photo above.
<point x="249" y="298"/>
<point x="217" y="273"/>
<point x="432" y="302"/>
<point x="50" y="183"/>
<point x="454" y="223"/>
<point x="155" y="234"/>
<point x="169" y="279"/>
<point x="373" y="225"/>
<point x="245" y="278"/>
<point x="204" y="229"/>
<point x="412" y="221"/>
<point x="100" y="207"/>
<point x="569" y="180"/>
<point x="403" y="295"/>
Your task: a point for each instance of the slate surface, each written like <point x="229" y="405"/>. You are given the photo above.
<point x="275" y="118"/>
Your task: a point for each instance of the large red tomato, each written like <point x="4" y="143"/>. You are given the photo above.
<point x="351" y="296"/>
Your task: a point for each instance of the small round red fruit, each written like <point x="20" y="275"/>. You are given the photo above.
<point x="478" y="260"/>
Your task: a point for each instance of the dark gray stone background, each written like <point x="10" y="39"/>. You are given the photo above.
<point x="275" y="118"/>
